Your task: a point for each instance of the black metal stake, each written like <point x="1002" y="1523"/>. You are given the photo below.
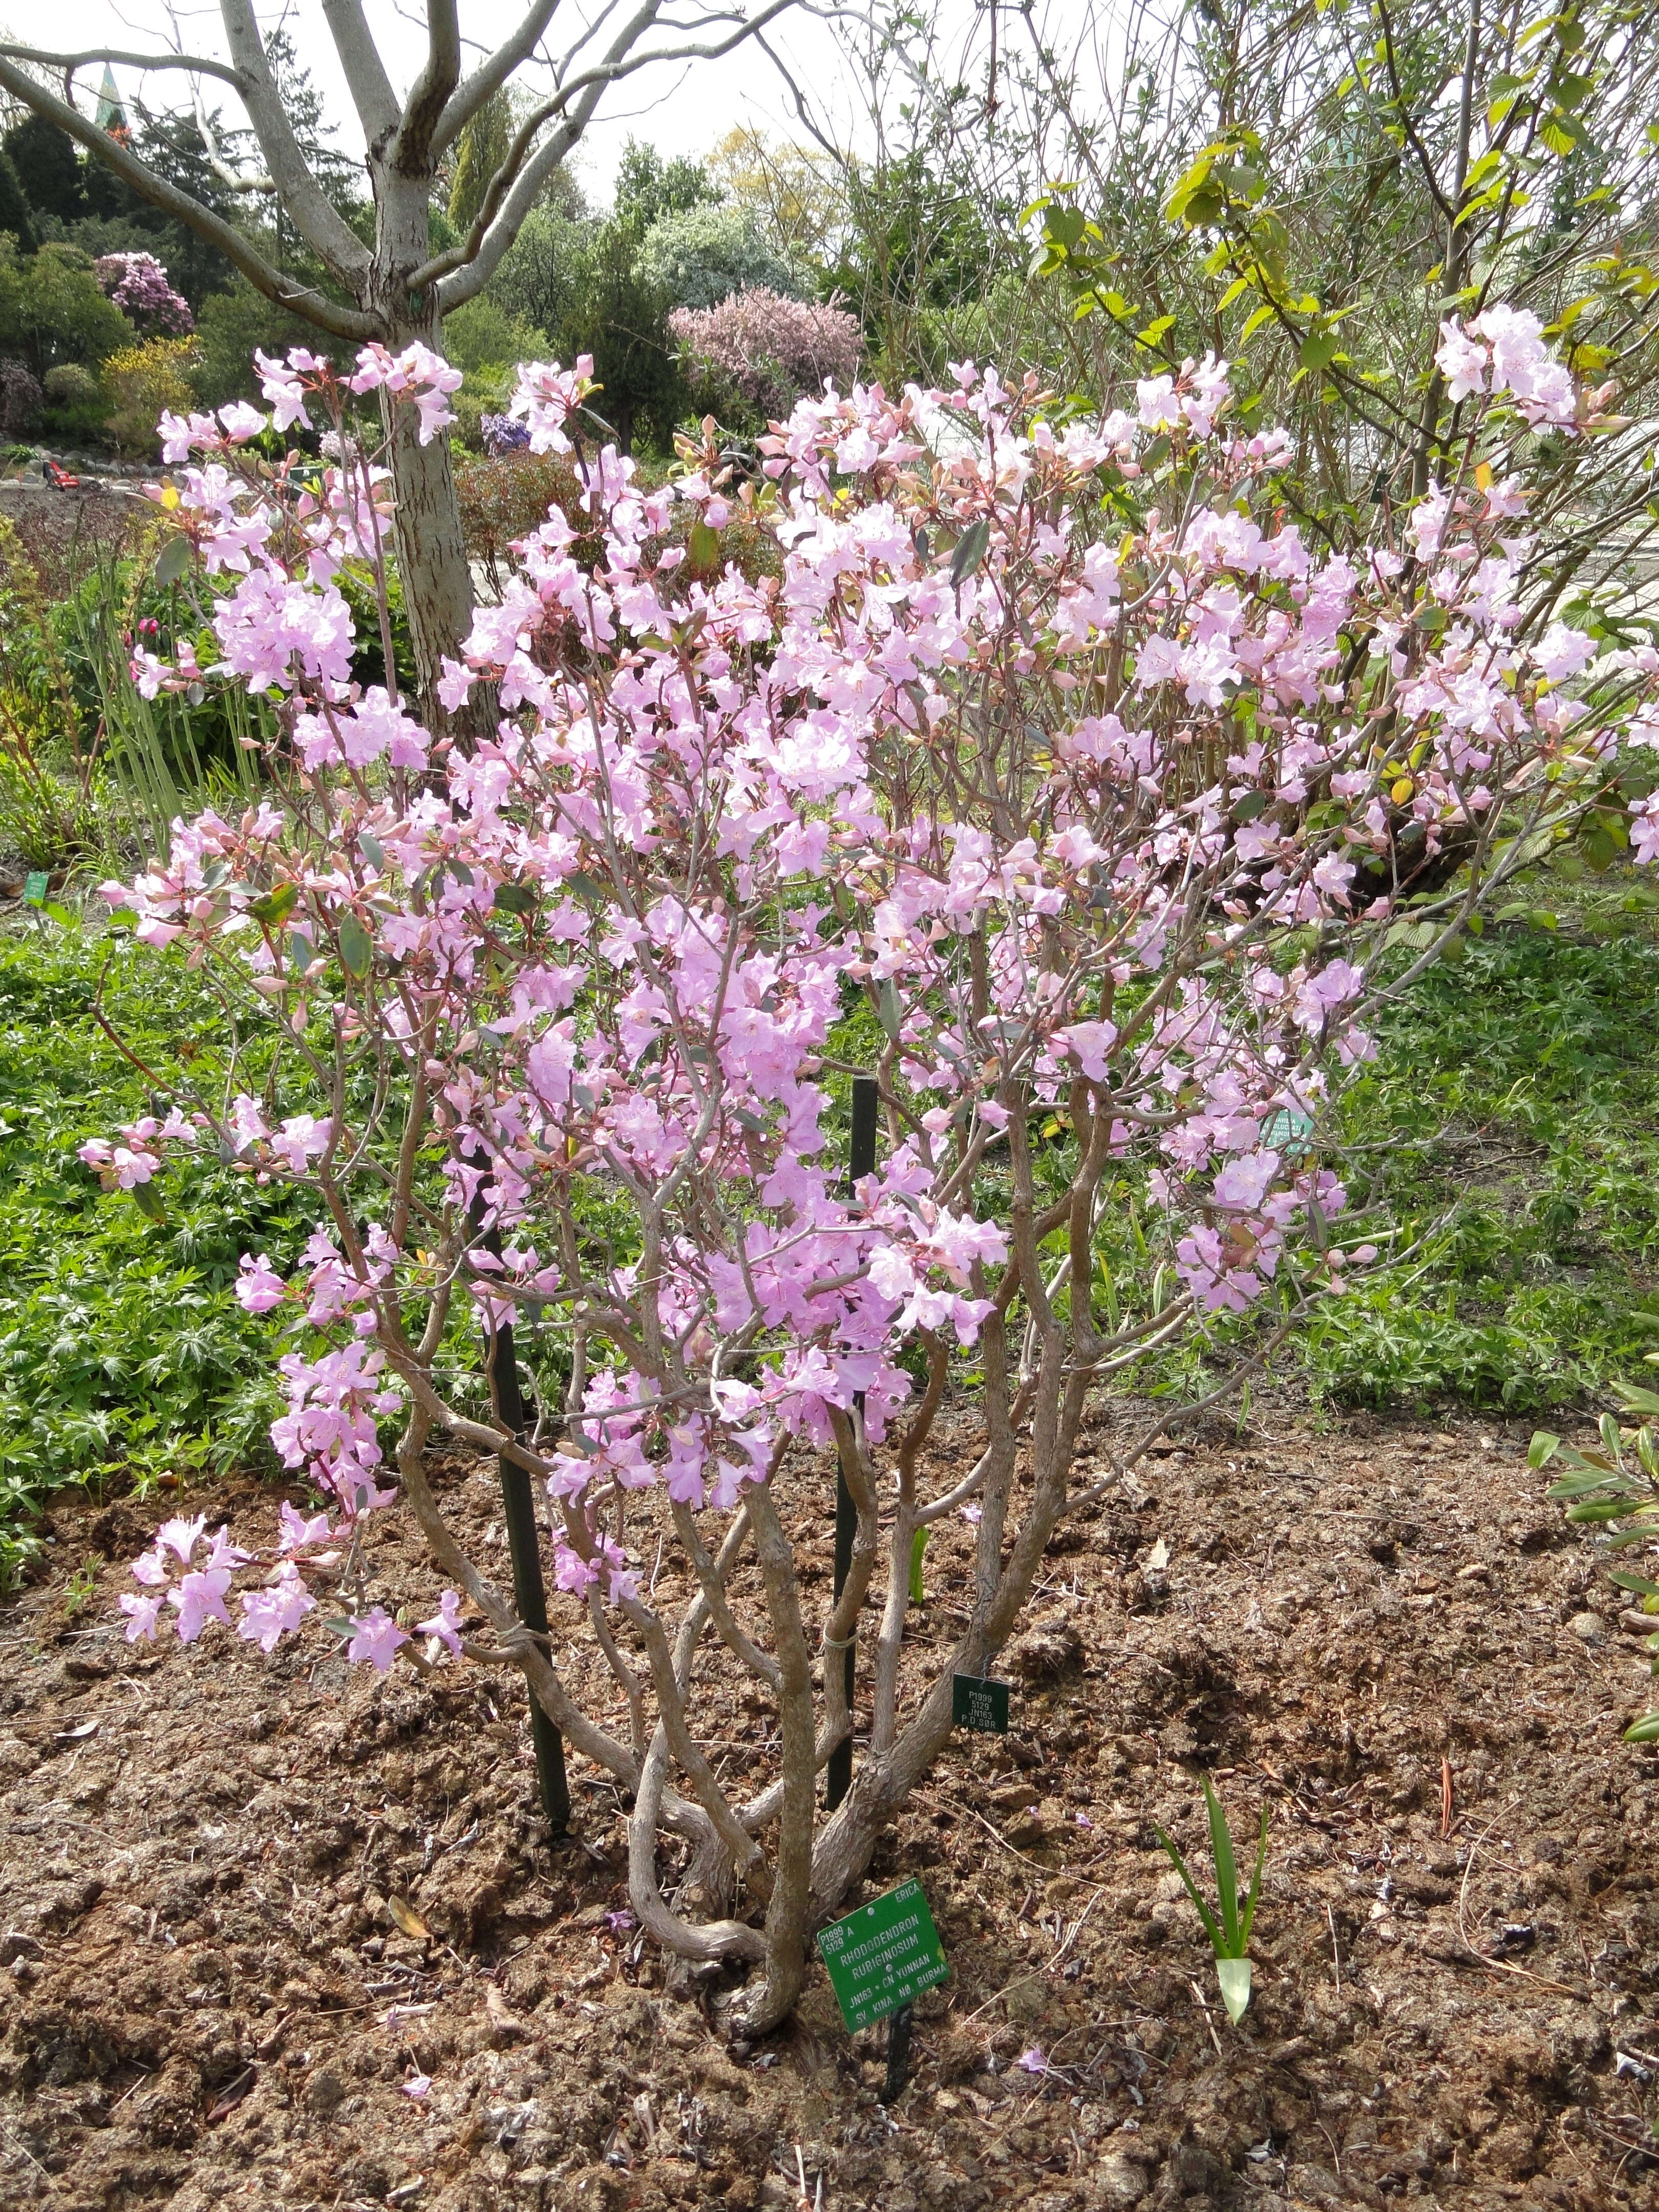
<point x="861" y="1161"/>
<point x="525" y="1543"/>
<point x="898" y="2053"/>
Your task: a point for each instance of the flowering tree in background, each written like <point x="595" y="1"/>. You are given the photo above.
<point x="1053" y="767"/>
<point x="140" y="286"/>
<point x="764" y="351"/>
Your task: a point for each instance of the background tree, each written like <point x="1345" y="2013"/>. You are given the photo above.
<point x="390" y="287"/>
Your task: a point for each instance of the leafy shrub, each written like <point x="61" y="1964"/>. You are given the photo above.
<point x="146" y="381"/>
<point x="123" y="1349"/>
<point x="20" y="400"/>
<point x="760" y="351"/>
<point x="700" y="256"/>
<point x="53" y="309"/>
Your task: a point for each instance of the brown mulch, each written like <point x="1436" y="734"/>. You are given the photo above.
<point x="207" y="1997"/>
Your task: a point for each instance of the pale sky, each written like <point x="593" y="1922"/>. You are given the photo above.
<point x="684" y="110"/>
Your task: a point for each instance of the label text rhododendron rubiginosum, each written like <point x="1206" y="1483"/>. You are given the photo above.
<point x="1047" y="742"/>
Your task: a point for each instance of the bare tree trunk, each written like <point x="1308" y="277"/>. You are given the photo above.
<point x="432" y="563"/>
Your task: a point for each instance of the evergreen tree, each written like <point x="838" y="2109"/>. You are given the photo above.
<point x="15" y="213"/>
<point x="48" y="169"/>
<point x="480" y="152"/>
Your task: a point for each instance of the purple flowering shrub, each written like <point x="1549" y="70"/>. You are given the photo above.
<point x="764" y="351"/>
<point x="139" y="286"/>
<point x="1060" y="751"/>
<point x="500" y="434"/>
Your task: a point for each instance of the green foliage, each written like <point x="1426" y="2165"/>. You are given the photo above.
<point x="1508" y="1121"/>
<point x="123" y="1349"/>
<point x="480" y="152"/>
<point x="700" y="256"/>
<point x="581" y="281"/>
<point x="1616" y="1489"/>
<point x="48" y="166"/>
<point x="229" y="326"/>
<point x="16" y="216"/>
<point x="52" y="309"/>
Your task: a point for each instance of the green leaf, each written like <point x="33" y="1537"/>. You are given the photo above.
<point x="173" y="560"/>
<point x="148" y="1200"/>
<point x="918" y="1545"/>
<point x="1204" y="1912"/>
<point x="1319" y="348"/>
<point x="1646" y="1731"/>
<point x="371" y="848"/>
<point x="702" y="549"/>
<point x="1234" y="1975"/>
<point x="276" y="906"/>
<point x="1226" y="1870"/>
<point x="971" y="548"/>
<point x="356" y="945"/>
<point x="515" y="898"/>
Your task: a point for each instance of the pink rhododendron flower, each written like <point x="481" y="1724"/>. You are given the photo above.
<point x="375" y="1638"/>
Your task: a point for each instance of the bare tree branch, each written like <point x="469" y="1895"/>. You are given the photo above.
<point x="365" y="73"/>
<point x="465" y="270"/>
<point x="490" y="76"/>
<point x="198" y="64"/>
<point x="410" y="150"/>
<point x="318" y="221"/>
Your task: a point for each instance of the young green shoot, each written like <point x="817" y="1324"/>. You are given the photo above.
<point x="1229" y="1935"/>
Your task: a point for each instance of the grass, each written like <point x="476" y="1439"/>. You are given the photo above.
<point x="1510" y="1125"/>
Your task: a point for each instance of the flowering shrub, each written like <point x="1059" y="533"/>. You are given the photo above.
<point x="762" y="350"/>
<point x="144" y="381"/>
<point x="502" y="434"/>
<point x="1065" y="760"/>
<point x="139" y="286"/>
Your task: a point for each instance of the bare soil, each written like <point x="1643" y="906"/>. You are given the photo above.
<point x="216" y="1869"/>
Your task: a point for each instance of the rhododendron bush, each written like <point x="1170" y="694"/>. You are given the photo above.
<point x="1092" y="781"/>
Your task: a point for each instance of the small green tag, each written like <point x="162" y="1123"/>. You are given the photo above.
<point x="35" y="887"/>
<point x="1288" y="1132"/>
<point x="883" y="1956"/>
<point x="979" y="1705"/>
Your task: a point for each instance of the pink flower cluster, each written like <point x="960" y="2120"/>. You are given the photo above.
<point x="170" y="1578"/>
<point x="141" y="288"/>
<point x="766" y="349"/>
<point x="1503" y="350"/>
<point x="1090" y="819"/>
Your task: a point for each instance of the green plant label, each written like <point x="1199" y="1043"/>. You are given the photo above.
<point x="35" y="886"/>
<point x="883" y="1956"/>
<point x="979" y="1705"/>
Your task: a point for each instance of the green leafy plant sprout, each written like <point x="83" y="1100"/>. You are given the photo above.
<point x="1230" y="1937"/>
<point x="77" y="1591"/>
<point x="1616" y="1488"/>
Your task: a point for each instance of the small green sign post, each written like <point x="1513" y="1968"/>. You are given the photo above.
<point x="976" y="1702"/>
<point x="882" y="1957"/>
<point x="35" y="887"/>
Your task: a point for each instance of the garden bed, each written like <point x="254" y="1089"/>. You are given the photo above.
<point x="217" y="1868"/>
